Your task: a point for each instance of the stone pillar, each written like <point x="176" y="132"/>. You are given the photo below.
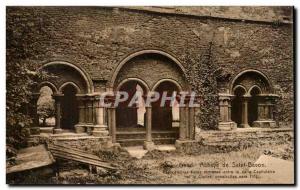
<point x="89" y="114"/>
<point x="80" y="127"/>
<point x="57" y="98"/>
<point x="112" y="120"/>
<point x="192" y="122"/>
<point x="99" y="128"/>
<point x="182" y="123"/>
<point x="35" y="129"/>
<point x="187" y="126"/>
<point x="148" y="144"/>
<point x="265" y="111"/>
<point x="113" y="125"/>
<point x="245" y="123"/>
<point x="225" y="122"/>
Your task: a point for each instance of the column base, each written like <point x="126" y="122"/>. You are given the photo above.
<point x="244" y="126"/>
<point x="89" y="128"/>
<point x="57" y="131"/>
<point x="265" y="124"/>
<point x="149" y="145"/>
<point x="179" y="142"/>
<point x="79" y="128"/>
<point x="100" y="130"/>
<point x="175" y="124"/>
<point x="227" y="126"/>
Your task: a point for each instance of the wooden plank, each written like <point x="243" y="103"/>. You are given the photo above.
<point x="83" y="154"/>
<point x="89" y="162"/>
<point x="81" y="159"/>
<point x="68" y="147"/>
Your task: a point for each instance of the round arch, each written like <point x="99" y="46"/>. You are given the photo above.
<point x="82" y="72"/>
<point x="239" y="87"/>
<point x="69" y="83"/>
<point x="140" y="81"/>
<point x="141" y="52"/>
<point x="167" y="80"/>
<point x="231" y="90"/>
<point x="254" y="87"/>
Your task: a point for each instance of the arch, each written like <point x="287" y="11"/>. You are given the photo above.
<point x="135" y="54"/>
<point x="50" y="85"/>
<point x="140" y="81"/>
<point x="239" y="87"/>
<point x="179" y="88"/>
<point x="82" y="72"/>
<point x="254" y="87"/>
<point x="69" y="83"/>
<point x="261" y="74"/>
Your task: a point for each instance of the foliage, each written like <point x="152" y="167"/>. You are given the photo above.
<point x="21" y="76"/>
<point x="45" y="105"/>
<point x="202" y="68"/>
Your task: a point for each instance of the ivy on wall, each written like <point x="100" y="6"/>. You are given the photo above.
<point x="202" y="78"/>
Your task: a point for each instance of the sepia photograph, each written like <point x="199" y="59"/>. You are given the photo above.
<point x="150" y="95"/>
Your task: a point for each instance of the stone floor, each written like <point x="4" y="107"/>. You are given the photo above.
<point x="138" y="151"/>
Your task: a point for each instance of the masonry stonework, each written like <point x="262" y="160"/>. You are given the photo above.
<point x="97" y="39"/>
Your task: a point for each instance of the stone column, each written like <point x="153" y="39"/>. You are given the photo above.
<point x="89" y="114"/>
<point x="35" y="129"/>
<point x="57" y="98"/>
<point x="225" y="122"/>
<point x="245" y="123"/>
<point x="182" y="123"/>
<point x="80" y="127"/>
<point x="148" y="144"/>
<point x="265" y="111"/>
<point x="99" y="128"/>
<point x="192" y="122"/>
<point x="112" y="120"/>
<point x="113" y="125"/>
<point x="187" y="126"/>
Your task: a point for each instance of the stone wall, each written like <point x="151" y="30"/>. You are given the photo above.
<point x="226" y="141"/>
<point x="98" y="38"/>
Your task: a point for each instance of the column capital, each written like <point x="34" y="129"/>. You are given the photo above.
<point x="188" y="97"/>
<point x="246" y="97"/>
<point x="57" y="96"/>
<point x="223" y="96"/>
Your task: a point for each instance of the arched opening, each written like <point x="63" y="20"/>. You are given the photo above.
<point x="165" y="117"/>
<point x="253" y="105"/>
<point x="130" y="114"/>
<point x="45" y="107"/>
<point x="69" y="107"/>
<point x="149" y="69"/>
<point x="253" y="100"/>
<point x="237" y="105"/>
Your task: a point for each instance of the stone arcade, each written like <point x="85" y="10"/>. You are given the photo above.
<point x="92" y="51"/>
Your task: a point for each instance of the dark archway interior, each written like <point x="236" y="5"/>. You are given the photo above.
<point x="253" y="106"/>
<point x="131" y="117"/>
<point x="236" y="106"/>
<point x="69" y="108"/>
<point x="162" y="117"/>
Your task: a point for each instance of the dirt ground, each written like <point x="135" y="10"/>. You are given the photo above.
<point x="170" y="167"/>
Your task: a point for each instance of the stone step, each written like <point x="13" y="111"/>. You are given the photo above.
<point x="142" y="135"/>
<point x="68" y="135"/>
<point x="138" y="142"/>
<point x="46" y="130"/>
<point x="79" y="138"/>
